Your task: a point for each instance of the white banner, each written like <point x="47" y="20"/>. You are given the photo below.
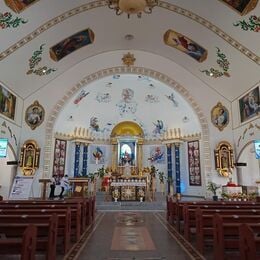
<point x="21" y="188"/>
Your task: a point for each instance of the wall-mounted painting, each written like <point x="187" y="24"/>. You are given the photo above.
<point x="219" y="116"/>
<point x="249" y="105"/>
<point x="97" y="154"/>
<point x="19" y="5"/>
<point x="34" y="115"/>
<point x="71" y="44"/>
<point x="241" y="6"/>
<point x="157" y="154"/>
<point x="186" y="45"/>
<point x="7" y="102"/>
<point x="59" y="158"/>
<point x="194" y="163"/>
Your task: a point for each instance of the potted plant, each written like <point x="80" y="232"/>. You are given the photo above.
<point x="213" y="187"/>
<point x="161" y="179"/>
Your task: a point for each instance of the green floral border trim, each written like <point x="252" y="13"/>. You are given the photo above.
<point x="223" y="64"/>
<point x="7" y="20"/>
<point x="35" y="60"/>
<point x="252" y="25"/>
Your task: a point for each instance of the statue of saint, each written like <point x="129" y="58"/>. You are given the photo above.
<point x="127" y="170"/>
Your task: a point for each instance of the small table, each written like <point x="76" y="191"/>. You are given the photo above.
<point x="44" y="186"/>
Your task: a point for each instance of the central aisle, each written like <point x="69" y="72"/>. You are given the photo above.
<point x="132" y="236"/>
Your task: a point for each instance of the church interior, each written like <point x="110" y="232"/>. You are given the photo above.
<point x="137" y="120"/>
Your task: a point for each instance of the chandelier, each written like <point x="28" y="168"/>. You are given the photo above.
<point x="132" y="6"/>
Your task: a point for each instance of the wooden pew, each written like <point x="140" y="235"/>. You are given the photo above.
<point x="24" y="246"/>
<point x="75" y="212"/>
<point x="46" y="234"/>
<point x="63" y="226"/>
<point x="226" y="233"/>
<point x="204" y="223"/>
<point x="249" y="243"/>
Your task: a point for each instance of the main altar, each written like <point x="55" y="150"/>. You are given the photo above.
<point x="128" y="189"/>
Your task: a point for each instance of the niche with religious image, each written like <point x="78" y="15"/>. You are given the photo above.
<point x="127" y="153"/>
<point x="29" y="157"/>
<point x="224" y="158"/>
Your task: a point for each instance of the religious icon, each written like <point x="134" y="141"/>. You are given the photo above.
<point x="241" y="6"/>
<point x="7" y="102"/>
<point x="29" y="157"/>
<point x="19" y="5"/>
<point x="34" y="115"/>
<point x="224" y="158"/>
<point x="186" y="45"/>
<point x="219" y="116"/>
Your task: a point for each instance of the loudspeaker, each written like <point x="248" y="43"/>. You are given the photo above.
<point x="240" y="164"/>
<point x="12" y="163"/>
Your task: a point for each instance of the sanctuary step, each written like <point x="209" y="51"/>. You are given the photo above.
<point x="158" y="205"/>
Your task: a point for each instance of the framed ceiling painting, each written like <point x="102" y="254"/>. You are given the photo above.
<point x="34" y="115"/>
<point x="249" y="105"/>
<point x="194" y="163"/>
<point x="71" y="44"/>
<point x="19" y="5"/>
<point x="219" y="116"/>
<point x="241" y="6"/>
<point x="7" y="102"/>
<point x="185" y="45"/>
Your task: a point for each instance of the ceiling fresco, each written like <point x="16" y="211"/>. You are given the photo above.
<point x="233" y="28"/>
<point x="127" y="98"/>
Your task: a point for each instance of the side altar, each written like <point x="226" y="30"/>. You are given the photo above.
<point x="128" y="189"/>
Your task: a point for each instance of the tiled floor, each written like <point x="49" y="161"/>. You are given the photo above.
<point x="132" y="236"/>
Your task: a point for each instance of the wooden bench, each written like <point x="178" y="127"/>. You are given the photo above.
<point x="46" y="234"/>
<point x="226" y="233"/>
<point x="249" y="242"/>
<point x="63" y="225"/>
<point x="204" y="223"/>
<point x="24" y="246"/>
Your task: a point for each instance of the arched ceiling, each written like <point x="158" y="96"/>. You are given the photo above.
<point x="207" y="23"/>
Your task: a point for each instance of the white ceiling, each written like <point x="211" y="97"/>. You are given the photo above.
<point x="148" y="32"/>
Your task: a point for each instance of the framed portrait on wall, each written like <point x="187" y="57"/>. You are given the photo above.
<point x="7" y="102"/>
<point x="241" y="6"/>
<point x="59" y="157"/>
<point x="194" y="163"/>
<point x="219" y="116"/>
<point x="249" y="105"/>
<point x="19" y="5"/>
<point x="34" y="115"/>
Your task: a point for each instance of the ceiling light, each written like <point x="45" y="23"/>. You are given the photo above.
<point x="132" y="6"/>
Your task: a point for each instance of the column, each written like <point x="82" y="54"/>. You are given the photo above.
<point x="139" y="162"/>
<point x="76" y="159"/>
<point x="85" y="160"/>
<point x="177" y="169"/>
<point x="114" y="154"/>
<point x="169" y="165"/>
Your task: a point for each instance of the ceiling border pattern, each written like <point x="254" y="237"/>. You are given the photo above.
<point x="54" y="113"/>
<point x="161" y="4"/>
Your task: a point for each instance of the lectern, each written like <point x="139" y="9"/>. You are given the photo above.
<point x="79" y="187"/>
<point x="44" y="186"/>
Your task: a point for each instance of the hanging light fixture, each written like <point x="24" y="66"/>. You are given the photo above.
<point x="132" y="6"/>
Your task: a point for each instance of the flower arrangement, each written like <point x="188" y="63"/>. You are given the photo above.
<point x="140" y="193"/>
<point x="161" y="177"/>
<point x="115" y="194"/>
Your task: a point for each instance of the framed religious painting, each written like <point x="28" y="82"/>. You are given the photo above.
<point x="59" y="160"/>
<point x="249" y="105"/>
<point x="185" y="45"/>
<point x="219" y="116"/>
<point x="19" y="5"/>
<point x="7" y="102"/>
<point x="34" y="115"/>
<point x="241" y="6"/>
<point x="194" y="163"/>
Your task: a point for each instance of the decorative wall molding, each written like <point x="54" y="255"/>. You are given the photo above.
<point x="101" y="3"/>
<point x="54" y="114"/>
